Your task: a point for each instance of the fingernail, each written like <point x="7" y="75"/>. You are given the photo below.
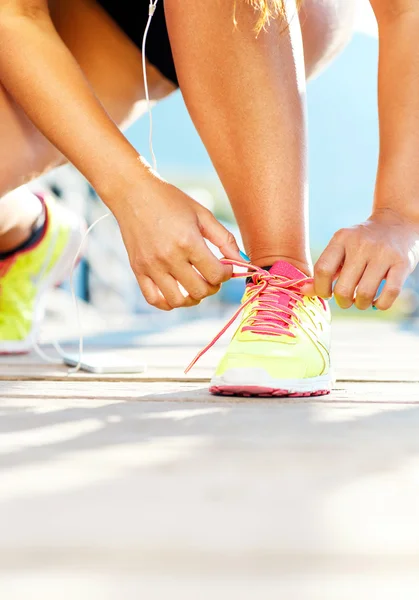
<point x="244" y="256"/>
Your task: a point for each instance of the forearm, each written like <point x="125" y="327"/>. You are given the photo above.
<point x="45" y="80"/>
<point x="398" y="90"/>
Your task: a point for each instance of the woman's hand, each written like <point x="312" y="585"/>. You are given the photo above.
<point x="359" y="258"/>
<point x="164" y="230"/>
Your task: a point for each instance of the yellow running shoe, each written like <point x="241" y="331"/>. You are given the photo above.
<point x="282" y="345"/>
<point x="27" y="275"/>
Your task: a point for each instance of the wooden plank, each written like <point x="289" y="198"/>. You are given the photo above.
<point x="362" y="351"/>
<point x="380" y="393"/>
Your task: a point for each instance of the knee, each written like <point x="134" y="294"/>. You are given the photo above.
<point x="11" y="176"/>
<point x="24" y="152"/>
<point x="326" y="27"/>
<point x="25" y="165"/>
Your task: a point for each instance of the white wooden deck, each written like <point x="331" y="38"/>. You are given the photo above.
<point x="146" y="486"/>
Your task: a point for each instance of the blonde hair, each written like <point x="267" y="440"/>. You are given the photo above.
<point x="269" y="9"/>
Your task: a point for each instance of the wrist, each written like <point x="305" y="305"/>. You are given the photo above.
<point x="393" y="215"/>
<point x="399" y="196"/>
<point x="124" y="183"/>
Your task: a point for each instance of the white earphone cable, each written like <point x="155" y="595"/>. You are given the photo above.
<point x="151" y="10"/>
<point x="74" y="296"/>
<point x="56" y="345"/>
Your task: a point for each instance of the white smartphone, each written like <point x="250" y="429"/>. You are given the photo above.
<point x="105" y="362"/>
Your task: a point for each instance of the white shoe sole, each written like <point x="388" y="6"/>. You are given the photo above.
<point x="59" y="273"/>
<point x="257" y="382"/>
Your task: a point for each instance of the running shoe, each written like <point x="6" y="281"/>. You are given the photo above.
<point x="27" y="275"/>
<point x="282" y="345"/>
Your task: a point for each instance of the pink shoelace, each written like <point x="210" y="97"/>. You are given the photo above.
<point x="269" y="316"/>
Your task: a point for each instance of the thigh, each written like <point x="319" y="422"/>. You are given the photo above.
<point x="111" y="63"/>
<point x="327" y="26"/>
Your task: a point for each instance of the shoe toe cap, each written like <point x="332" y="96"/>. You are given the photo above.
<point x="276" y="367"/>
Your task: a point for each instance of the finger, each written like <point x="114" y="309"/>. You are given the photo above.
<point x="170" y="289"/>
<point x="369" y="284"/>
<point x="394" y="282"/>
<point x="152" y="293"/>
<point x="308" y="289"/>
<point x="221" y="237"/>
<point x="327" y="268"/>
<point x="194" y="284"/>
<point x="349" y="277"/>
<point x="211" y="269"/>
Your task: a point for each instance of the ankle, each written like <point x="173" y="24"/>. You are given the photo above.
<point x="264" y="261"/>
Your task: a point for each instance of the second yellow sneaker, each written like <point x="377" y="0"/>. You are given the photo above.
<point x="27" y="275"/>
<point x="282" y="345"/>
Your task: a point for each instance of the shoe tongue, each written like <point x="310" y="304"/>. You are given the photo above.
<point x="285" y="269"/>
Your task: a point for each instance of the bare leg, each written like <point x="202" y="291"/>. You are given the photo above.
<point x="246" y="97"/>
<point x="24" y="152"/>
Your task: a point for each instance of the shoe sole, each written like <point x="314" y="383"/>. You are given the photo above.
<point x="59" y="273"/>
<point x="264" y="386"/>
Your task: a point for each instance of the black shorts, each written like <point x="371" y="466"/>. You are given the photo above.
<point x="132" y="16"/>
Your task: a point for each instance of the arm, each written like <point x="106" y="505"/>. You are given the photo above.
<point x="162" y="228"/>
<point x="386" y="246"/>
<point x="398" y="98"/>
<point x="41" y="74"/>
